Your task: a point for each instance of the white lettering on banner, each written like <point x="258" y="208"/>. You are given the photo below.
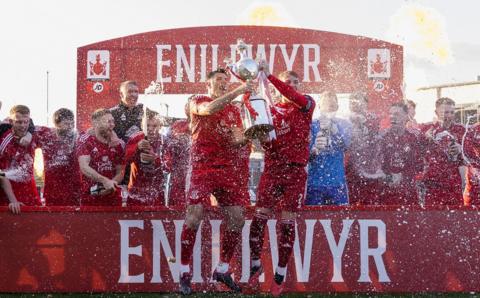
<point x="126" y="250"/>
<point x="161" y="63"/>
<point x="289" y="60"/>
<point x="246" y="251"/>
<point x="197" y="256"/>
<point x="188" y="66"/>
<point x="302" y="266"/>
<point x="160" y="240"/>
<point x="376" y="253"/>
<point x="307" y="63"/>
<point x="337" y="248"/>
<point x="183" y="64"/>
<point x="215" y="224"/>
<point x="203" y="62"/>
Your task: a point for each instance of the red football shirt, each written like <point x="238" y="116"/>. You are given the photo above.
<point x="104" y="160"/>
<point x="401" y="154"/>
<point x="439" y="170"/>
<point x="17" y="162"/>
<point x="292" y="123"/>
<point x="146" y="180"/>
<point x="212" y="143"/>
<point x="60" y="165"/>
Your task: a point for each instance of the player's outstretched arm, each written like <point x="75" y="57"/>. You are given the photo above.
<point x="287" y="91"/>
<point x="210" y="108"/>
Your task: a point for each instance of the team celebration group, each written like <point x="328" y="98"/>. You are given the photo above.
<point x="123" y="158"/>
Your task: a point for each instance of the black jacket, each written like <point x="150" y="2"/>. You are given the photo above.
<point x="127" y="121"/>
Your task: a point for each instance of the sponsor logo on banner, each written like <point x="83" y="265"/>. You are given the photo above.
<point x="98" y="65"/>
<point x="378" y="86"/>
<point x="378" y="63"/>
<point x="97" y="87"/>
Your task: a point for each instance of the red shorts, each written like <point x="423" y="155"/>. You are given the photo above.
<point x="282" y="187"/>
<point x="228" y="185"/>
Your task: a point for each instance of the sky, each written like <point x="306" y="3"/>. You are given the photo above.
<point x="439" y="37"/>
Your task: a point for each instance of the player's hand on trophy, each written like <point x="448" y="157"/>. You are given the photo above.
<point x="249" y="86"/>
<point x="263" y="66"/>
<point x="26" y="139"/>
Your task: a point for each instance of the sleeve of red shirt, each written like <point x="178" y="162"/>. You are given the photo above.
<point x="40" y="135"/>
<point x="131" y="151"/>
<point x="302" y="100"/>
<point x="84" y="146"/>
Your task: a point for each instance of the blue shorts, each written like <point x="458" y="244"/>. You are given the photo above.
<point x="327" y="195"/>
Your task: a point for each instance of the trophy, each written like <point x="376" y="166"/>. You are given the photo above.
<point x="257" y="120"/>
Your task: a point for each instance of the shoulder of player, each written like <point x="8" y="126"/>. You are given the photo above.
<point x="85" y="137"/>
<point x="5" y="140"/>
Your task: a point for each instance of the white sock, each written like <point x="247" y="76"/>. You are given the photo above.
<point x="281" y="270"/>
<point x="222" y="267"/>
<point x="256" y="263"/>
<point x="184" y="268"/>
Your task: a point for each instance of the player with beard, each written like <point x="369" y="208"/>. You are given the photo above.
<point x="282" y="185"/>
<point x="144" y="152"/>
<point x="219" y="166"/>
<point x="101" y="162"/>
<point x="16" y="161"/>
<point x="442" y="149"/>
<point x="58" y="147"/>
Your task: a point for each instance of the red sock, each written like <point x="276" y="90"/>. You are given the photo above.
<point x="257" y="234"/>
<point x="229" y="242"/>
<point x="287" y="237"/>
<point x="188" y="241"/>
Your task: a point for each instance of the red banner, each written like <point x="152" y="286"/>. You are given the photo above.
<point x="180" y="59"/>
<point x="336" y="249"/>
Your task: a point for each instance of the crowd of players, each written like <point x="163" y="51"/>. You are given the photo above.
<point x="123" y="158"/>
